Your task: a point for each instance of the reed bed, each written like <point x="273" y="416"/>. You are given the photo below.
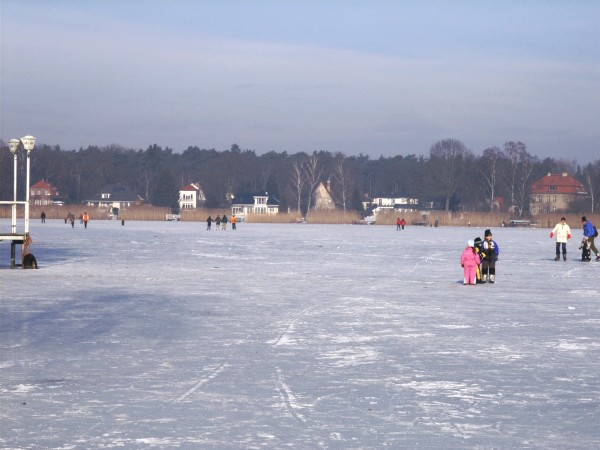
<point x="428" y="218"/>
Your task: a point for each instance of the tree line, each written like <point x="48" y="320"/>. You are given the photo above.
<point x="450" y="175"/>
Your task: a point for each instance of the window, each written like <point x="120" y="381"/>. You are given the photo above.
<point x="552" y="188"/>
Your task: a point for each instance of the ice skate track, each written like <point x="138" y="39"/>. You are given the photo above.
<point x="289" y="328"/>
<point x="211" y="375"/>
<point x="289" y="399"/>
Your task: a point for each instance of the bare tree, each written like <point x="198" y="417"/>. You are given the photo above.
<point x="297" y="183"/>
<point x="489" y="168"/>
<point x="517" y="174"/>
<point x="343" y="183"/>
<point x="591" y="176"/>
<point x="447" y="166"/>
<point x="312" y="174"/>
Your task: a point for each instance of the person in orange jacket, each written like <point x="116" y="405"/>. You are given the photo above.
<point x="86" y="219"/>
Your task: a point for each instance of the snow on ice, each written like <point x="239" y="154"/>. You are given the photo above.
<point x="164" y="335"/>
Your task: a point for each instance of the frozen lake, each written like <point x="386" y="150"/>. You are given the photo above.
<point x="164" y="335"/>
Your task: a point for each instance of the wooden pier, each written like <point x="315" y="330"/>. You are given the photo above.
<point x="15" y="239"/>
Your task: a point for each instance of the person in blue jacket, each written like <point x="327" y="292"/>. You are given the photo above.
<point x="489" y="252"/>
<point x="589" y="231"/>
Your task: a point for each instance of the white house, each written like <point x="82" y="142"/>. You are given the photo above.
<point x="245" y="204"/>
<point x="394" y="203"/>
<point x="116" y="198"/>
<point x="191" y="196"/>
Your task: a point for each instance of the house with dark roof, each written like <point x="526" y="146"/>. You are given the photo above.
<point x="44" y="193"/>
<point x="244" y="204"/>
<point x="554" y="193"/>
<point x="115" y="197"/>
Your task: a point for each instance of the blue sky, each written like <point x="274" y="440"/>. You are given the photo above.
<point x="372" y="77"/>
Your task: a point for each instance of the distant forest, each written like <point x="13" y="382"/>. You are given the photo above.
<point x="451" y="176"/>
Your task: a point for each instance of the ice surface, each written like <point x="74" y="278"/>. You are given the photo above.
<point x="163" y="335"/>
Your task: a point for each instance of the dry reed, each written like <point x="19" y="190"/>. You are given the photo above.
<point x="428" y="218"/>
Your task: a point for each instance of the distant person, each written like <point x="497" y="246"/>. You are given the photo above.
<point x="402" y="223"/>
<point x="86" y="219"/>
<point x="80" y="219"/>
<point x="209" y="222"/>
<point x="469" y="261"/>
<point x="122" y="221"/>
<point x="43" y="217"/>
<point x="217" y="222"/>
<point x="562" y="231"/>
<point x="590" y="232"/>
<point x="72" y="219"/>
<point x="489" y="252"/>
<point x="224" y="222"/>
<point x="233" y="222"/>
<point x="398" y="224"/>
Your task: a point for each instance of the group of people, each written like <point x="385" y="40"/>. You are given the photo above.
<point x="478" y="259"/>
<point x="562" y="231"/>
<point x="400" y="223"/>
<point x="70" y="218"/>
<point x="221" y="222"/>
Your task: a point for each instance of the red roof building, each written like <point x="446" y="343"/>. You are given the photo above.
<point x="554" y="193"/>
<point x="44" y="193"/>
<point x="191" y="196"/>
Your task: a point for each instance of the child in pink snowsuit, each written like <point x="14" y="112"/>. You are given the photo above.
<point x="469" y="260"/>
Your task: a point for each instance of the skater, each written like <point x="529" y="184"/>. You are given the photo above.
<point x="402" y="223"/>
<point x="43" y="217"/>
<point x="224" y="222"/>
<point x="233" y="222"/>
<point x="469" y="261"/>
<point x="86" y="219"/>
<point x="208" y="223"/>
<point x="489" y="255"/>
<point x="217" y="222"/>
<point x="398" y="223"/>
<point x="590" y="232"/>
<point x="563" y="234"/>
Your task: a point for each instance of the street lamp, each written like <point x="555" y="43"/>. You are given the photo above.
<point x="13" y="146"/>
<point x="28" y="144"/>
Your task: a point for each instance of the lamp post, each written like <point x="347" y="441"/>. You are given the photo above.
<point x="13" y="146"/>
<point x="28" y="144"/>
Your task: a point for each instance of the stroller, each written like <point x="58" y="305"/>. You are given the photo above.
<point x="585" y="250"/>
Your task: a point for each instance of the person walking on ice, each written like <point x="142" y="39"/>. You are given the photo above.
<point x="489" y="252"/>
<point x="469" y="261"/>
<point x="562" y="231"/>
<point x="590" y="232"/>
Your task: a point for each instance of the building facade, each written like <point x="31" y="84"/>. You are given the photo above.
<point x="44" y="193"/>
<point x="191" y="197"/>
<point x="554" y="194"/>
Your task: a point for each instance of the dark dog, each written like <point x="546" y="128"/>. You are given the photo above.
<point x="29" y="262"/>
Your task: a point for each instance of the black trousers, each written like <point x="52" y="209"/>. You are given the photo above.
<point x="564" y="248"/>
<point x="488" y="267"/>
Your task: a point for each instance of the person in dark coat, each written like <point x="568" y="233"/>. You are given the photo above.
<point x="489" y="252"/>
<point x="208" y="223"/>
